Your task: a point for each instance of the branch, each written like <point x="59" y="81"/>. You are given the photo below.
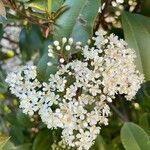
<point x="113" y="107"/>
<point x="13" y="25"/>
<point x="22" y="13"/>
<point x="122" y="99"/>
<point x="10" y="40"/>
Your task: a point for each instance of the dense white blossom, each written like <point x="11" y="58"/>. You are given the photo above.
<point x="24" y="85"/>
<point x="76" y="97"/>
<point x="116" y="8"/>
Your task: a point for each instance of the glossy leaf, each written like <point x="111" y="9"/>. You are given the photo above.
<point x="11" y="146"/>
<point x="16" y="134"/>
<point x="24" y="120"/>
<point x="143" y="96"/>
<point x="43" y="70"/>
<point x="137" y="34"/>
<point x="144" y="122"/>
<point x="39" y="5"/>
<point x="77" y="22"/>
<point x="134" y="137"/>
<point x="99" y="144"/>
<point x="23" y="147"/>
<point x="43" y="140"/>
<point x="30" y="41"/>
<point x="56" y="4"/>
<point x="42" y="5"/>
<point x="11" y="118"/>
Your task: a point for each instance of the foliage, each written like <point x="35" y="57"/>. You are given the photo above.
<point x="137" y="35"/>
<point x="40" y="23"/>
<point x="134" y="137"/>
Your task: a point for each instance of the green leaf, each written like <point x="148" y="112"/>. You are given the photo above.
<point x="143" y="96"/>
<point x="56" y="4"/>
<point x="144" y="122"/>
<point x="23" y="147"/>
<point x="24" y="120"/>
<point x="3" y="140"/>
<point x="17" y="136"/>
<point x="43" y="70"/>
<point x="40" y="5"/>
<point x="11" y="118"/>
<point x="134" y="137"/>
<point x="77" y="22"/>
<point x="99" y="144"/>
<point x="10" y="146"/>
<point x="30" y="41"/>
<point x="137" y="34"/>
<point x="3" y="85"/>
<point x="19" y="119"/>
<point x="43" y="140"/>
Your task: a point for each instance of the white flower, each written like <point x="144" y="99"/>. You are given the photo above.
<point x="61" y="60"/>
<point x="119" y="1"/>
<point x="113" y="17"/>
<point x="49" y="64"/>
<point x="56" y="43"/>
<point x="64" y="40"/>
<point x="58" y="48"/>
<point x="68" y="47"/>
<point x="24" y="85"/>
<point x="70" y="92"/>
<point x="70" y="41"/>
<point x="76" y="96"/>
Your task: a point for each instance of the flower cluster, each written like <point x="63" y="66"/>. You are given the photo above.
<point x="60" y="146"/>
<point x="24" y="85"/>
<point x="116" y="9"/>
<point x="76" y="97"/>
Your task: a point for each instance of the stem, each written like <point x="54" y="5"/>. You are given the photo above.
<point x="10" y="40"/>
<point x="13" y="25"/>
<point x="118" y="112"/>
<point x="12" y="5"/>
<point x="49" y="6"/>
<point x="123" y="106"/>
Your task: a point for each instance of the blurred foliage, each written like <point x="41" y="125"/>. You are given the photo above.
<point x="137" y="34"/>
<point x="43" y="21"/>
